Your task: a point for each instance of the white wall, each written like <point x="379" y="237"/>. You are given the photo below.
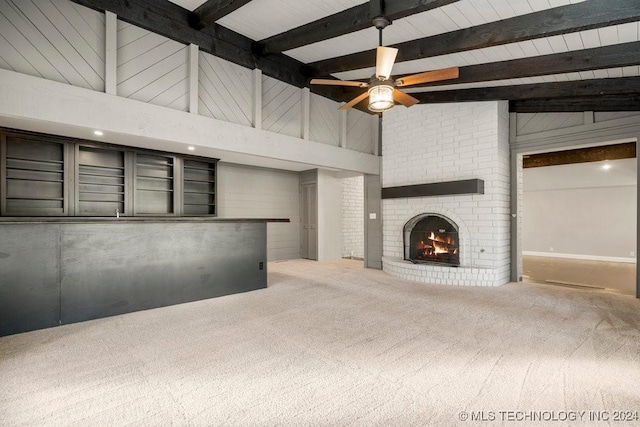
<point x="581" y="210"/>
<point x="353" y="217"/>
<point x="53" y="39"/>
<point x="249" y="192"/>
<point x="329" y="216"/>
<point x="448" y="142"/>
<point x="144" y="57"/>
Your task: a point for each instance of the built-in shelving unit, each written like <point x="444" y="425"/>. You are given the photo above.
<point x="199" y="188"/>
<point x="101" y="176"/>
<point x="34" y="178"/>
<point x="154" y="184"/>
<point x="48" y="175"/>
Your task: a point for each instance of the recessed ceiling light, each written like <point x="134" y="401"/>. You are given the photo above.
<point x="191" y="148"/>
<point x="98" y="132"/>
<point x="606" y="166"/>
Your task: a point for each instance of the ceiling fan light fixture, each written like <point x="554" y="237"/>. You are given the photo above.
<point x="382" y="91"/>
<point x="380" y="98"/>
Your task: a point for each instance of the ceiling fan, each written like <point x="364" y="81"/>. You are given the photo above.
<point x="383" y="90"/>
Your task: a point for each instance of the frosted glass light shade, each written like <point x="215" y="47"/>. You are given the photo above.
<point x="380" y="98"/>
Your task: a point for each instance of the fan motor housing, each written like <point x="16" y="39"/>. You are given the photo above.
<point x="375" y="81"/>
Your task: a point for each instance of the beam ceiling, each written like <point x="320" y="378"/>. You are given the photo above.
<point x="198" y="27"/>
<point x="546" y="23"/>
<point x="576" y="104"/>
<point x="618" y="55"/>
<point x="577" y="88"/>
<point x="212" y="10"/>
<point x="348" y="21"/>
<point x="173" y="21"/>
<point x="581" y="155"/>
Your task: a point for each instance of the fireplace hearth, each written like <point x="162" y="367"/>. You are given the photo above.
<point x="431" y="239"/>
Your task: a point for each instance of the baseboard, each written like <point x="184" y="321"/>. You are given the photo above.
<point x="582" y="257"/>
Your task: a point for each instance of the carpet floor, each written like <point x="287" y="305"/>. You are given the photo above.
<point x="335" y="344"/>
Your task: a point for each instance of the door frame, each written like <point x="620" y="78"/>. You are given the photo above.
<point x="590" y="133"/>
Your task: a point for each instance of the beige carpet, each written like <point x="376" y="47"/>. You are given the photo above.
<point x="333" y="344"/>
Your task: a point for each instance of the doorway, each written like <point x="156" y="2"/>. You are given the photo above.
<point x="579" y="217"/>
<point x="309" y="220"/>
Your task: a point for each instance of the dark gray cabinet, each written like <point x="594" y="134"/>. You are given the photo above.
<point x="199" y="188"/>
<point x="33" y="177"/>
<point x="62" y="271"/>
<point x="43" y="175"/>
<point x="154" y="185"/>
<point x="101" y="181"/>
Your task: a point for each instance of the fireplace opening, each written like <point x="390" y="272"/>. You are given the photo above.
<point x="431" y="238"/>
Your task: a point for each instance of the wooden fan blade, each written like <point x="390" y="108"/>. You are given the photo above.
<point x="385" y="57"/>
<point x="338" y="82"/>
<point x="404" y="99"/>
<point x="354" y="101"/>
<point x="429" y="76"/>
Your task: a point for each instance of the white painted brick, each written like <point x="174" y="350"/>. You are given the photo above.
<point x="444" y="142"/>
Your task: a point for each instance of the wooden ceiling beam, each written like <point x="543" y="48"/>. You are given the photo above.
<point x="172" y="21"/>
<point x="348" y="21"/>
<point x="212" y="10"/>
<point x="614" y="56"/>
<point x="581" y="155"/>
<point x="576" y="104"/>
<point x="578" y="88"/>
<point x="564" y="19"/>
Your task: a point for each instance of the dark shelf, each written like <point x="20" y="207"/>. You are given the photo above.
<point x="449" y="188"/>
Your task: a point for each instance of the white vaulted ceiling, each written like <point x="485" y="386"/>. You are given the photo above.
<point x="455" y="16"/>
<point x="614" y="34"/>
<point x="258" y="20"/>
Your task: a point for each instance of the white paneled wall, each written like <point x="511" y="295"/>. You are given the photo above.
<point x="61" y="41"/>
<point x="324" y="120"/>
<point x="281" y="107"/>
<point x="606" y="116"/>
<point x="53" y="39"/>
<point x="360" y="131"/>
<point x="532" y="132"/>
<point x="225" y="90"/>
<point x="152" y="68"/>
<point x="249" y="192"/>
<point x="541" y="122"/>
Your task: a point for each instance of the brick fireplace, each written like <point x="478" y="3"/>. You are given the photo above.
<point x="442" y="143"/>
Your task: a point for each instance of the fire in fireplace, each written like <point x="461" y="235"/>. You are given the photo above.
<point x="431" y="238"/>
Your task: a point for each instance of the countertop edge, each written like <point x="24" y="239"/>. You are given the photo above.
<point x="113" y="220"/>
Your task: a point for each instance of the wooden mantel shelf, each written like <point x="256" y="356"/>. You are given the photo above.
<point x="448" y="188"/>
